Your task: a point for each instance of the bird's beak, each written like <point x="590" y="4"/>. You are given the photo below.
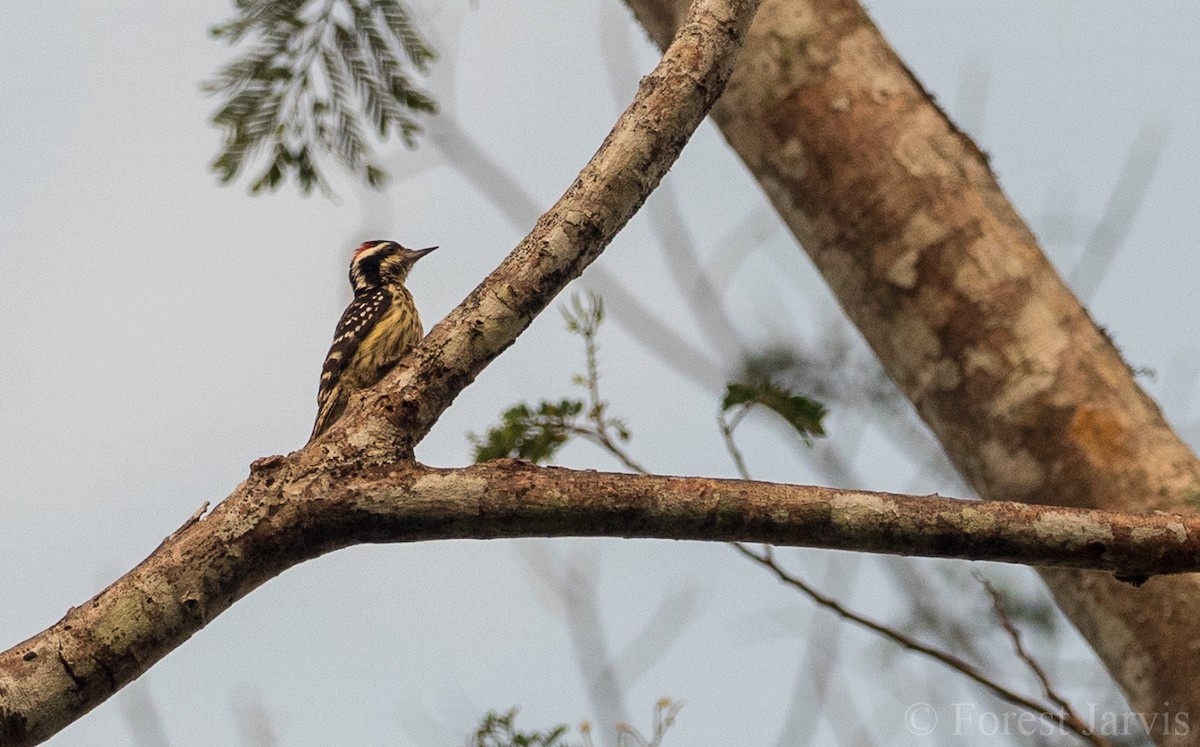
<point x="422" y="252"/>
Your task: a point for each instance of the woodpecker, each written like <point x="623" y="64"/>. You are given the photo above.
<point x="378" y="327"/>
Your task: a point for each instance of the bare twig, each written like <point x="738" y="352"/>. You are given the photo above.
<point x="767" y="558"/>
<point x="584" y="318"/>
<point x="1067" y="718"/>
<point x="1015" y="636"/>
<point x="597" y="435"/>
<point x="727" y="427"/>
<point x="665" y="711"/>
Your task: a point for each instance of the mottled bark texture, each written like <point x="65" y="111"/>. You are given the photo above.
<point x="901" y="214"/>
<point x="285" y="514"/>
<point x="274" y="519"/>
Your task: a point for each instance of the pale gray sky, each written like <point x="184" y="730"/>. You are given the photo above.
<point x="160" y="332"/>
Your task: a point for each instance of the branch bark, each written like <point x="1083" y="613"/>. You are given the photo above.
<point x="272" y="520"/>
<point x="410" y="502"/>
<point x="283" y="516"/>
<point x="902" y="215"/>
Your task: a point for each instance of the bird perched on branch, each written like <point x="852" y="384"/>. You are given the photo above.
<point x="378" y="327"/>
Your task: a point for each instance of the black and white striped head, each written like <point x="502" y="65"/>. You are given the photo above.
<point x="378" y="262"/>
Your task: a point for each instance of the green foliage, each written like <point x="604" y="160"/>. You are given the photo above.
<point x="316" y="74"/>
<point x="498" y="731"/>
<point x="584" y="318"/>
<point x="534" y="435"/>
<point x="803" y="414"/>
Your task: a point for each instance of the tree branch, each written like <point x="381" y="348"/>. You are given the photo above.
<point x="512" y="498"/>
<point x="283" y="516"/>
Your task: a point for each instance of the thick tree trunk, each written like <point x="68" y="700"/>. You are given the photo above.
<point x="900" y="212"/>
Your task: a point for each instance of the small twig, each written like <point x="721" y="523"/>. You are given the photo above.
<point x="767" y="558"/>
<point x="601" y="439"/>
<point x="585" y="320"/>
<point x="727" y="427"/>
<point x="665" y="711"/>
<point x="1067" y="718"/>
<point x="1019" y="647"/>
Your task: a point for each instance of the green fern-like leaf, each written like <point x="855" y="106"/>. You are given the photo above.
<point x="313" y="78"/>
